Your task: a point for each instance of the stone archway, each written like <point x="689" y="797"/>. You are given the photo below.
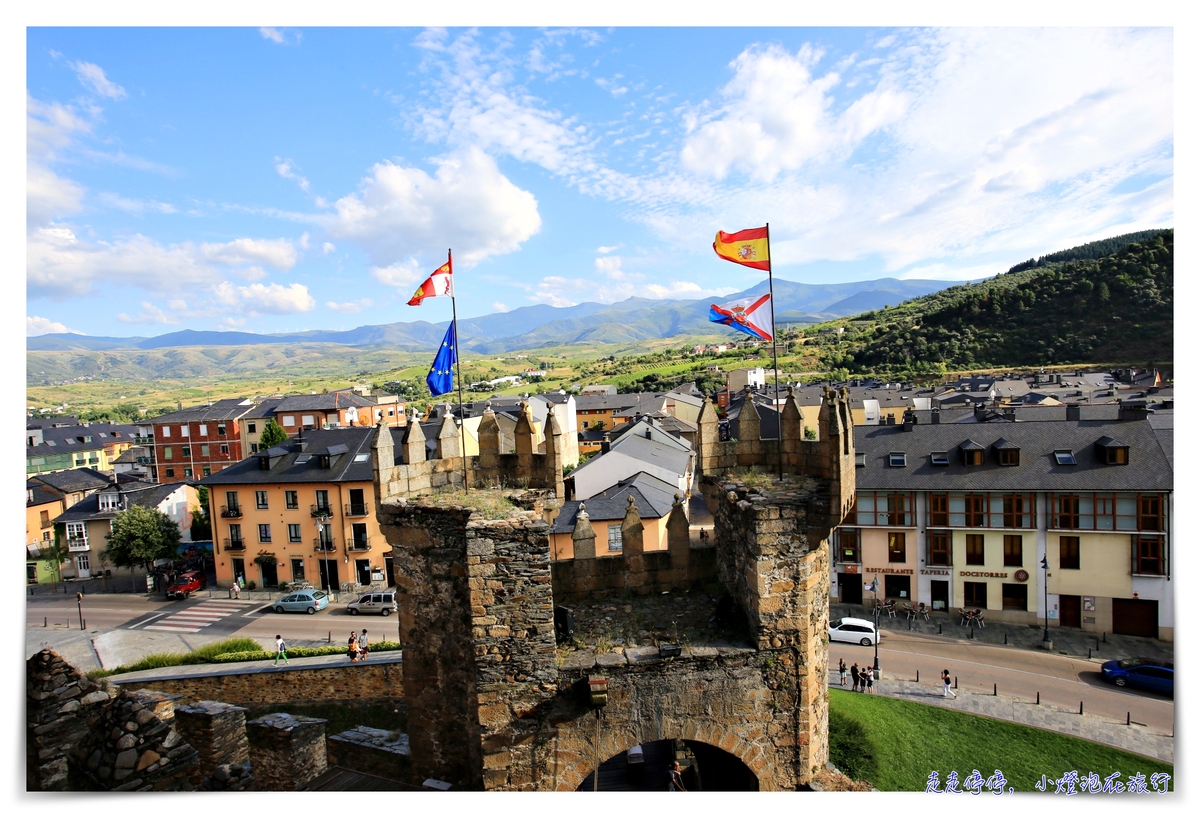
<point x="705" y="768"/>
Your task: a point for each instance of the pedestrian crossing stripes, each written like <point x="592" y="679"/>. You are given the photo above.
<point x="198" y="616"/>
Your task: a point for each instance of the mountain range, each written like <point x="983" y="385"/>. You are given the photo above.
<point x="542" y="325"/>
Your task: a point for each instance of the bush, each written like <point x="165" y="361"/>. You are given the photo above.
<point x="851" y="748"/>
<point x="208" y="653"/>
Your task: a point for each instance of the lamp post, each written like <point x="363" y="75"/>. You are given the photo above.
<point x="1046" y="643"/>
<point x="79" y="605"/>
<point x="875" y="590"/>
<point x="322" y="521"/>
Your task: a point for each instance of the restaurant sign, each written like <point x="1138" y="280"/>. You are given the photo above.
<point x="887" y="570"/>
<point x="994" y="574"/>
<point x="935" y="572"/>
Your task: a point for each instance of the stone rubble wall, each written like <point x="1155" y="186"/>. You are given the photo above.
<point x="373" y="751"/>
<point x="59" y="702"/>
<point x="286" y="751"/>
<point x="218" y="732"/>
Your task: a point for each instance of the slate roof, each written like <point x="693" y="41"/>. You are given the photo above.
<point x="649" y="451"/>
<point x="71" y="438"/>
<point x="84" y="479"/>
<point x="652" y="496"/>
<point x="1163" y="424"/>
<point x="285" y="469"/>
<point x="263" y="410"/>
<point x="148" y="497"/>
<point x="228" y="409"/>
<point x="40" y="494"/>
<point x="325" y="402"/>
<point x="1149" y="469"/>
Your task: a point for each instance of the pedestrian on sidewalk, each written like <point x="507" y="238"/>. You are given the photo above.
<point x="842" y="671"/>
<point x="946" y="691"/>
<point x="855" y="676"/>
<point x="869" y="679"/>
<point x="352" y="646"/>
<point x="280" y="650"/>
<point x="364" y="645"/>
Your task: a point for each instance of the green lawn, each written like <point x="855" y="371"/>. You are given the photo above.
<point x="896" y="745"/>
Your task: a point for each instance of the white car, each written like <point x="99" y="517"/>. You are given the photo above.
<point x="849" y="629"/>
<point x="378" y="603"/>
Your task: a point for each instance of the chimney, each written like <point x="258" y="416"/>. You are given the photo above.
<point x="605" y="444"/>
<point x="980" y="412"/>
<point x="1134" y="410"/>
<point x="935" y="415"/>
<point x="910" y="420"/>
<point x="1072" y="411"/>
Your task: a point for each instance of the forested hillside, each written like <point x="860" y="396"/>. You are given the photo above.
<point x="1117" y="307"/>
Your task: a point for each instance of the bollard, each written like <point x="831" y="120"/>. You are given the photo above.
<point x="918" y="674"/>
<point x="1126" y="718"/>
<point x="1104" y="636"/>
<point x="1039" y="698"/>
<point x="956" y="683"/>
<point x="1089" y="653"/>
<point x="1081" y="708"/>
<point x="329" y="638"/>
<point x="994" y="692"/>
<point x="939" y="629"/>
<point x="909" y="621"/>
<point x="1006" y="638"/>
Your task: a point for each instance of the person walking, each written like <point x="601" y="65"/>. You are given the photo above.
<point x="842" y="671"/>
<point x="364" y="645"/>
<point x="352" y="646"/>
<point x="854" y="676"/>
<point x="675" y="783"/>
<point x="946" y="691"/>
<point x="280" y="650"/>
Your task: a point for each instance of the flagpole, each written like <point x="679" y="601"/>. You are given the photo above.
<point x="462" y="421"/>
<point x="775" y="353"/>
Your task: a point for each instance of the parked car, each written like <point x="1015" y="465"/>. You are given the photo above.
<point x="382" y="603"/>
<point x="185" y="584"/>
<point x="850" y="629"/>
<point x="309" y="601"/>
<point x="1147" y="674"/>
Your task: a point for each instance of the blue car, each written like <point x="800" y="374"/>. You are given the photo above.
<point x="1144" y="673"/>
<point x="309" y="601"/>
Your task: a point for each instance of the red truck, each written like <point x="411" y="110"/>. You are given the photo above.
<point x="185" y="584"/>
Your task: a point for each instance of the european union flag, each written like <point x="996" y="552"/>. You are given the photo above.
<point x="441" y="374"/>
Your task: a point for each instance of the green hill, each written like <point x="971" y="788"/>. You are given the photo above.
<point x="1116" y="307"/>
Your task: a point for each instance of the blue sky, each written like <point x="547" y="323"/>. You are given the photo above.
<point x="272" y="180"/>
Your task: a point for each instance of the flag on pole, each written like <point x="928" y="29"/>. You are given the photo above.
<point x="440" y="282"/>
<point x="749" y="315"/>
<point x="746" y="247"/>
<point x="441" y="375"/>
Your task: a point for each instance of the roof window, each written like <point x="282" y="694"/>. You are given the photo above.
<point x="1064" y="457"/>
<point x="897" y="460"/>
<point x="939" y="459"/>
<point x="860" y="459"/>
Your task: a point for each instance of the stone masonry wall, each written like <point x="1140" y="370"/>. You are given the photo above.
<point x="360" y="682"/>
<point x="59" y="702"/>
<point x="286" y="751"/>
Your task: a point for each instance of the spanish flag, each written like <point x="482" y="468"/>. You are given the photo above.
<point x="745" y="247"/>
<point x="439" y="283"/>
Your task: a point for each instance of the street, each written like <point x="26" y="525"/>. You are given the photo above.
<point x="1062" y="681"/>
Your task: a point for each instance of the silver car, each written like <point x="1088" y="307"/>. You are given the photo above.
<point x="380" y="602"/>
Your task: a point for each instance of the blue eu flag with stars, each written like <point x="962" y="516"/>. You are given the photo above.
<point x="441" y="374"/>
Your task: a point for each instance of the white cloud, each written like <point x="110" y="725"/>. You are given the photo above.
<point x="612" y="249"/>
<point x="467" y="205"/>
<point x="498" y="306"/>
<point x="49" y="196"/>
<point x="275" y="299"/>
<point x="613" y="283"/>
<point x="92" y="76"/>
<point x="280" y="36"/>
<point x="327" y="248"/>
<point x="403" y="275"/>
<point x="135" y="206"/>
<point x="150" y="314"/>
<point x="272" y="34"/>
<point x="349" y="306"/>
<point x="286" y="169"/>
<point x="36" y="325"/>
<point x="277" y="253"/>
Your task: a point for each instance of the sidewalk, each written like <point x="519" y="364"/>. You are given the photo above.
<point x="258" y="666"/>
<point x="1067" y="641"/>
<point x="1111" y="732"/>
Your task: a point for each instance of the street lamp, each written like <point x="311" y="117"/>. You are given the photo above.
<point x="875" y="589"/>
<point x="1045" y="604"/>
<point x="79" y="605"/>
<point x="322" y="521"/>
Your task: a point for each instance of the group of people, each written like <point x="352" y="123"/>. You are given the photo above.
<point x="359" y="646"/>
<point x="864" y="677"/>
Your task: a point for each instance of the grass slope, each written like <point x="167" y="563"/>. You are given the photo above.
<point x="911" y="740"/>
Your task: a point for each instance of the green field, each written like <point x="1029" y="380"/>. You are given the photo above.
<point x="896" y="744"/>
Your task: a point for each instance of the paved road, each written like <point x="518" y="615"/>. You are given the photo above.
<point x="1063" y="681"/>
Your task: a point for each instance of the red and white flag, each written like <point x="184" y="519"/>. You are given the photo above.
<point x="439" y="283"/>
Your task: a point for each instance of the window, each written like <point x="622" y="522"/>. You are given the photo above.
<point x="206" y="471"/>
<point x="896" y="552"/>
<point x="896" y="460"/>
<point x="235" y="533"/>
<point x="860" y="460"/>
<point x="170" y="472"/>
<point x="976" y="510"/>
<point x="1017" y="511"/>
<point x="224" y="448"/>
<point x="973" y="456"/>
<point x="307" y="421"/>
<point x="614" y="538"/>
<point x="1068" y="552"/>
<point x="253" y="448"/>
<point x="1116" y="455"/>
<point x="939" y="509"/>
<point x="1012" y="550"/>
<point x="1064" y="457"/>
<point x="220" y="430"/>
<point x="1015" y="596"/>
<point x="109" y="502"/>
<point x="167" y="453"/>
<point x="231" y="500"/>
<point x="878" y="508"/>
<point x="185" y="451"/>
<point x="184" y="431"/>
<point x="260" y="499"/>
<point x="203" y="430"/>
<point x="939" y="548"/>
<point x="895" y="585"/>
<point x="297" y="569"/>
<point x="289" y="420"/>
<point x="45" y="518"/>
<point x="204" y="450"/>
<point x="322" y="501"/>
<point x="939" y="459"/>
<point x="975" y="594"/>
<point x="264" y="532"/>
<point x="1150" y="513"/>
<point x="1009" y="457"/>
<point x="293" y="532"/>
<point x="187" y="471"/>
<point x="1149" y="555"/>
<point x="291" y="499"/>
<point x="1065" y="510"/>
<point x="75" y="531"/>
<point x="974" y="549"/>
<point x="848" y="544"/>
<point x="251" y="427"/>
<point x="166" y="431"/>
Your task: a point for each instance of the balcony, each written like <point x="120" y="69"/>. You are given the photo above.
<point x="143" y="439"/>
<point x="235" y="545"/>
<point x="322" y="511"/>
<point x="357" y="509"/>
<point x="77" y="544"/>
<point x="231" y="511"/>
<point x="360" y="544"/>
<point x="324" y="546"/>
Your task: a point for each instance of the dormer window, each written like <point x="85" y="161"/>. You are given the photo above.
<point x="939" y="459"/>
<point x="1064" y="457"/>
<point x="1112" y="452"/>
<point x="264" y="463"/>
<point x="1008" y="454"/>
<point x="896" y="460"/>
<point x="109" y="502"/>
<point x="972" y="453"/>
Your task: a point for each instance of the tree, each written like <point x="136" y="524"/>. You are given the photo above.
<point x="272" y="435"/>
<point x="201" y="523"/>
<point x="140" y="537"/>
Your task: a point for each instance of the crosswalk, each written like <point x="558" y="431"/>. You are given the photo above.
<point x="198" y="616"/>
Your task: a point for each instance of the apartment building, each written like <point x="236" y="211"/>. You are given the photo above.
<point x="301" y="510"/>
<point x="195" y="442"/>
<point x="41" y="507"/>
<point x="962" y="515"/>
<point x="329" y="409"/>
<point x="52" y="448"/>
